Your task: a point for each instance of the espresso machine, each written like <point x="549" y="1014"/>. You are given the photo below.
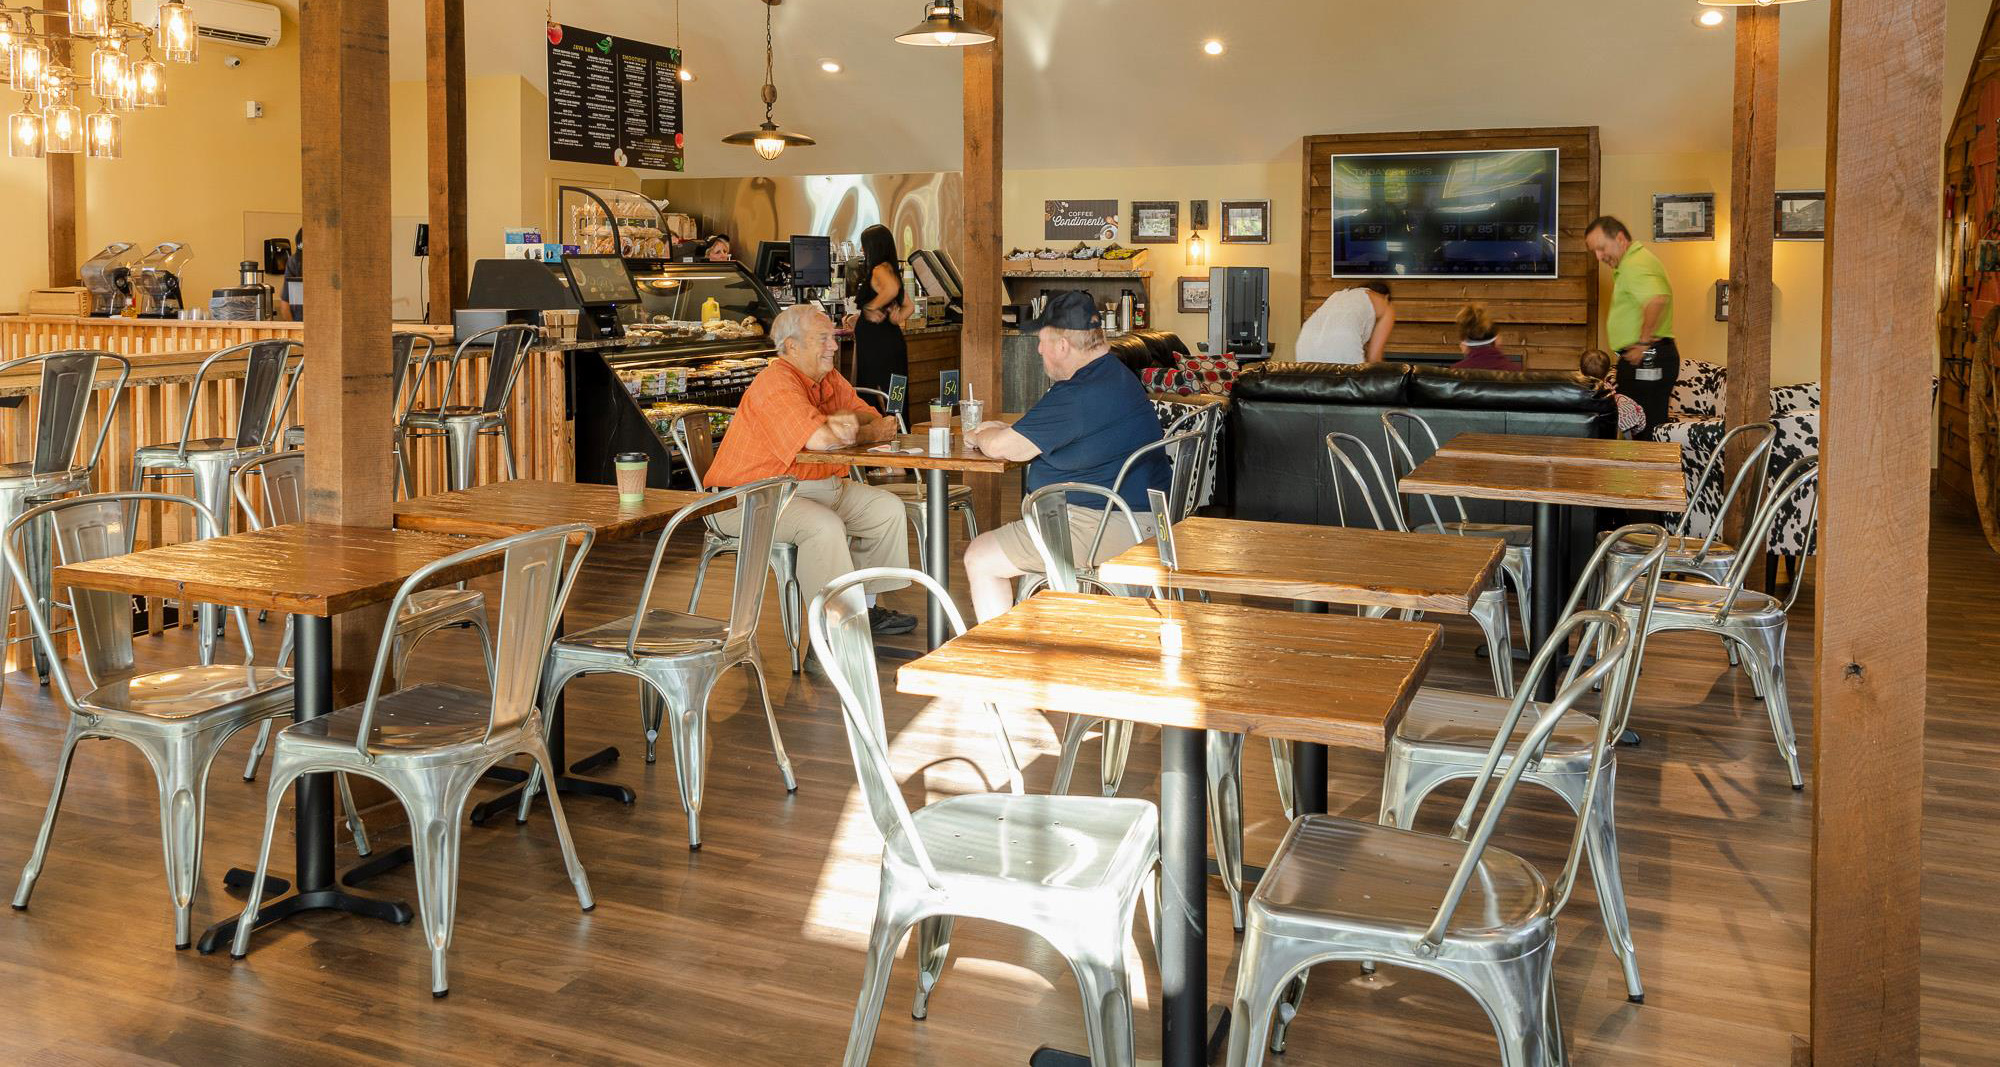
<point x="249" y="299"/>
<point x="108" y="277"/>
<point x="156" y="280"/>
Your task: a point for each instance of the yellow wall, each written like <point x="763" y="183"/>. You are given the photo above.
<point x="1628" y="183"/>
<point x="1278" y="180"/>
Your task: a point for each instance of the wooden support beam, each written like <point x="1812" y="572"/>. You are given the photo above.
<point x="979" y="337"/>
<point x="1885" y="91"/>
<point x="444" y="95"/>
<point x="62" y="197"/>
<point x="345" y="107"/>
<point x="1753" y="171"/>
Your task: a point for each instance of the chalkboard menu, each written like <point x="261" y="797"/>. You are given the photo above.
<point x="614" y="101"/>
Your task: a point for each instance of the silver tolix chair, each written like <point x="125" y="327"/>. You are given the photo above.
<point x="1746" y="620"/>
<point x="1444" y="736"/>
<point x="677" y="658"/>
<point x="179" y="717"/>
<point x="53" y="469"/>
<point x="1046" y="512"/>
<point x="694" y="439"/>
<point x="430" y="743"/>
<point x="910" y="489"/>
<point x="1070" y="869"/>
<point x="268" y="384"/>
<point x="1342" y="889"/>
<point x="1517" y="561"/>
<point x="462" y="425"/>
<point x="409" y="355"/>
<point x="282" y="480"/>
<point x="1708" y="556"/>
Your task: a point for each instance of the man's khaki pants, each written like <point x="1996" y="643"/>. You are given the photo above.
<point x="839" y="525"/>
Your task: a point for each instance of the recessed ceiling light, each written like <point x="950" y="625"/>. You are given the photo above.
<point x="687" y="75"/>
<point x="1212" y="46"/>
<point x="830" y="66"/>
<point x="1709" y="16"/>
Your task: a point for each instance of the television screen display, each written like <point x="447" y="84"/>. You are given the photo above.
<point x="1445" y="214"/>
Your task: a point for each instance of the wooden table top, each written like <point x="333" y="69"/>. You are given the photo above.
<point x="1333" y="679"/>
<point x="912" y="452"/>
<point x="1333" y="564"/>
<point x="299" y="568"/>
<point x="1600" y="485"/>
<point x="500" y="509"/>
<point x="1566" y="449"/>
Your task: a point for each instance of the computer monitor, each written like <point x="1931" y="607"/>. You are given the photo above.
<point x="600" y="280"/>
<point x="773" y="265"/>
<point x="951" y="273"/>
<point x="812" y="261"/>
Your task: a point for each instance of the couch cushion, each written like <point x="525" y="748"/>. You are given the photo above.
<point x="1380" y="384"/>
<point x="1514" y="390"/>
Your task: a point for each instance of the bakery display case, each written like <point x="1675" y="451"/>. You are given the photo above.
<point x="612" y="222"/>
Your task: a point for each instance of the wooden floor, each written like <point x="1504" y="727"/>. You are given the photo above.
<point x="749" y="952"/>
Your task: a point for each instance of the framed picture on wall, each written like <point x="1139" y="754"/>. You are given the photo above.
<point x="1192" y="295"/>
<point x="1683" y="216"/>
<point x="1246" y="222"/>
<point x="1156" y="222"/>
<point x="1801" y="215"/>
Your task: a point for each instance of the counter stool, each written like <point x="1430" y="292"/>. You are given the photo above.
<point x="461" y="425"/>
<point x="68" y="379"/>
<point x="402" y="348"/>
<point x="211" y="461"/>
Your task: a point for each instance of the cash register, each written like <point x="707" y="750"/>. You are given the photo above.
<point x="603" y="288"/>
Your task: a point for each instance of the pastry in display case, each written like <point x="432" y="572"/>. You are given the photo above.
<point x="613" y="222"/>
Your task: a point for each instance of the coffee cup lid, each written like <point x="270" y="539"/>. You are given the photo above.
<point x="630" y="457"/>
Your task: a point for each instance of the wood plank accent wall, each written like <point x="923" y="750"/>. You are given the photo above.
<point x="1969" y="309"/>
<point x="1545" y="322"/>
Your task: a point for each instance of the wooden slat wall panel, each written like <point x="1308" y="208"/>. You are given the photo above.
<point x="1545" y="321"/>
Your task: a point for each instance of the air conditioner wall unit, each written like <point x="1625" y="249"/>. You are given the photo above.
<point x="241" y="23"/>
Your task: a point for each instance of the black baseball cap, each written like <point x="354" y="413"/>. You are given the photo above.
<point x="1067" y="309"/>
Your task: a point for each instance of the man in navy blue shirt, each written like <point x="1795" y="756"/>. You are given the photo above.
<point x="1092" y="419"/>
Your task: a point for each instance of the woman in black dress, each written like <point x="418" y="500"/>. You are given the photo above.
<point x="879" y="350"/>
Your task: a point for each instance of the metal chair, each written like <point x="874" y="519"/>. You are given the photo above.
<point x="1341" y="889"/>
<point x="1046" y="511"/>
<point x="1518" y="559"/>
<point x="1707" y="556"/>
<point x="51" y="470"/>
<point x="694" y="439"/>
<point x="1444" y="736"/>
<point x="1183" y="452"/>
<point x="1070" y="869"/>
<point x="461" y="425"/>
<point x="910" y="491"/>
<point x="402" y="356"/>
<point x="1205" y="419"/>
<point x="677" y="657"/>
<point x="268" y="385"/>
<point x="431" y="743"/>
<point x="282" y="476"/>
<point x="1754" y="623"/>
<point x="179" y="717"/>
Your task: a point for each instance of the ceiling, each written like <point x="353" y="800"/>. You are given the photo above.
<point x="1124" y="82"/>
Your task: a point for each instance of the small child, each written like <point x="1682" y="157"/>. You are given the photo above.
<point x="1596" y="364"/>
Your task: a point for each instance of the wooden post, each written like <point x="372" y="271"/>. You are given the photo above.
<point x="344" y="55"/>
<point x="444" y="85"/>
<point x="1753" y="170"/>
<point x="62" y="184"/>
<point x="1885" y="89"/>
<point x="979" y="336"/>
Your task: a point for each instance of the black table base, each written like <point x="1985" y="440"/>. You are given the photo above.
<point x="1549" y="588"/>
<point x="313" y="818"/>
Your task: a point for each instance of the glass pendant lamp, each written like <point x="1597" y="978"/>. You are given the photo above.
<point x="149" y="78"/>
<point x="176" y="32"/>
<point x="62" y="127"/>
<point x="107" y="70"/>
<point x="31" y="63"/>
<point x="104" y="134"/>
<point x="89" y="18"/>
<point x="24" y="135"/>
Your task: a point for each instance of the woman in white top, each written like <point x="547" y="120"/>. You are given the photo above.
<point x="1351" y="327"/>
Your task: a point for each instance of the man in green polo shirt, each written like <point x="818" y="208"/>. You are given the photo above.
<point x="1641" y="316"/>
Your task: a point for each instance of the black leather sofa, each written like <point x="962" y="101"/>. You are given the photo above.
<point x="1280" y="414"/>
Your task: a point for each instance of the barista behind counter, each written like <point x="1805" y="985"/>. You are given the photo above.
<point x="933" y="349"/>
<point x="292" y="293"/>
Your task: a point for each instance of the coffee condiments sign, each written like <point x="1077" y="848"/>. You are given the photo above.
<point x="613" y="101"/>
<point x="1080" y="220"/>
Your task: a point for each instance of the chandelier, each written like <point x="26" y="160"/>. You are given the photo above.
<point x="110" y="57"/>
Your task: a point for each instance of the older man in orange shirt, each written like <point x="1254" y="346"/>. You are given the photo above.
<point x="797" y="403"/>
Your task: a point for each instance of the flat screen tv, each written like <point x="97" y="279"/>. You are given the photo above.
<point x="1445" y="214"/>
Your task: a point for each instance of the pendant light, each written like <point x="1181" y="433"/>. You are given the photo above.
<point x="24" y="134"/>
<point x="176" y="32"/>
<point x="107" y="70"/>
<point x="150" y="78"/>
<point x="943" y="27"/>
<point x="769" y="141"/>
<point x="8" y="41"/>
<point x="31" y="63"/>
<point x="103" y="135"/>
<point x="62" y="128"/>
<point x="89" y="18"/>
